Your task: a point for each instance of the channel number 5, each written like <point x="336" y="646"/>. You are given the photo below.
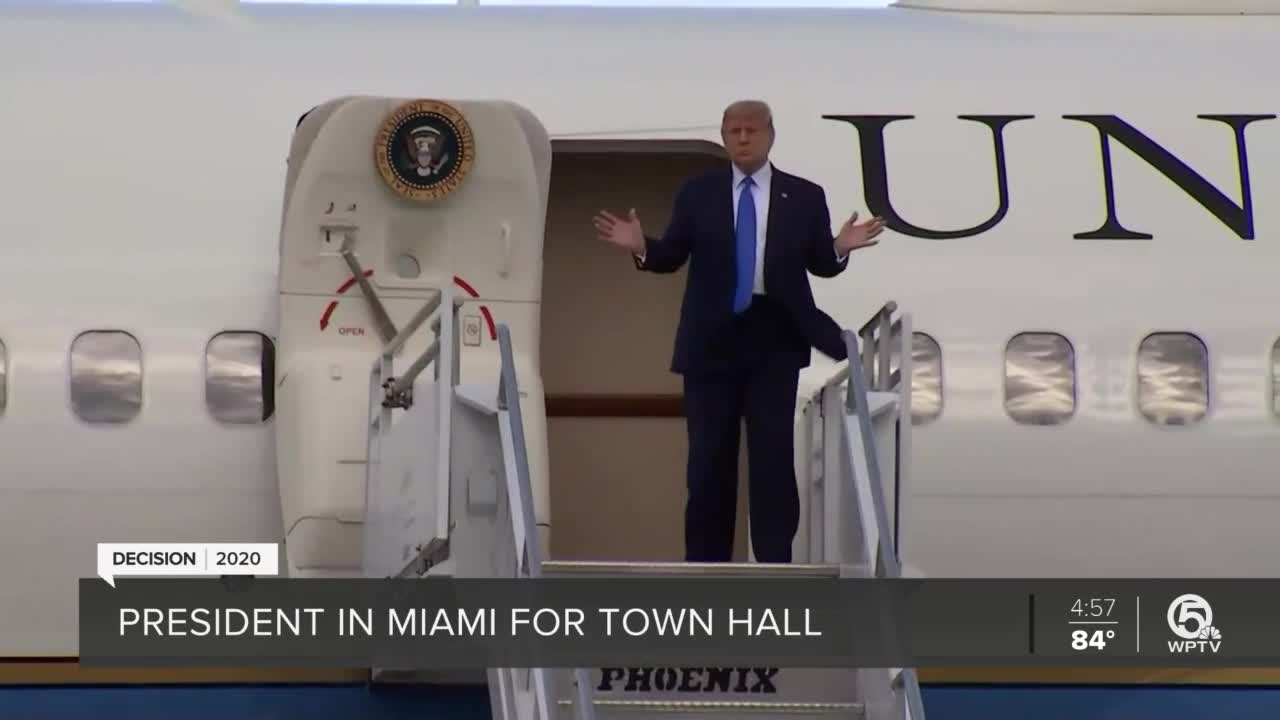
<point x="1188" y="615"/>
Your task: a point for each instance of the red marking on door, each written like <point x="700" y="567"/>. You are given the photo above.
<point x="484" y="309"/>
<point x="351" y="281"/>
<point x="333" y="304"/>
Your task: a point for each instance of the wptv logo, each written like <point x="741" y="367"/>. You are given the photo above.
<point x="1191" y="619"/>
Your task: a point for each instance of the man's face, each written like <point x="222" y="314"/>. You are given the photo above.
<point x="748" y="139"/>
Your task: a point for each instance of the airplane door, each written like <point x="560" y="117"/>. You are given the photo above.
<point x="615" y="425"/>
<point x="392" y="204"/>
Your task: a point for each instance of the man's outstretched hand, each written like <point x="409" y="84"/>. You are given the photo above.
<point x="855" y="237"/>
<point x="626" y="233"/>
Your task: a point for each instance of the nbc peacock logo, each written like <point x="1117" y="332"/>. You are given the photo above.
<point x="1191" y="619"/>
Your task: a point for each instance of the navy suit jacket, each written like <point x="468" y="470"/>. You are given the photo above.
<point x="798" y="241"/>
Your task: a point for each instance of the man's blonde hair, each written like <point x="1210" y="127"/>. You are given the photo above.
<point x="749" y="107"/>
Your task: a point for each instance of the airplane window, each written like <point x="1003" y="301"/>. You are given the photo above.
<point x="1039" y="379"/>
<point x="4" y="376"/>
<point x="1275" y="378"/>
<point x="1173" y="378"/>
<point x="239" y="380"/>
<point x="106" y="376"/>
<point x="926" y="379"/>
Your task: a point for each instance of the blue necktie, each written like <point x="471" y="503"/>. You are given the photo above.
<point x="746" y="236"/>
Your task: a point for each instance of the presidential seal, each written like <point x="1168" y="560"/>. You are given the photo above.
<point x="424" y="150"/>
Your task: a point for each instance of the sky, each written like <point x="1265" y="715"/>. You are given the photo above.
<point x="599" y="3"/>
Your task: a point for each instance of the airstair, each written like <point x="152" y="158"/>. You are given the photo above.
<point x="481" y="524"/>
<point x="435" y="467"/>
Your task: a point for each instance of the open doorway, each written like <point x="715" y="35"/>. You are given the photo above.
<point x="615" y="423"/>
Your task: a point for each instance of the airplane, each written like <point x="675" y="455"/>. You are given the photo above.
<point x="1075" y="223"/>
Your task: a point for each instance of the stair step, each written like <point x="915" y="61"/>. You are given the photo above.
<point x="479" y="397"/>
<point x="845" y="709"/>
<point x="569" y="568"/>
<point x="878" y="403"/>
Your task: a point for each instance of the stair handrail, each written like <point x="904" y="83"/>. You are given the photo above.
<point x="388" y="392"/>
<point x="856" y="403"/>
<point x="528" y="547"/>
<point x="528" y="551"/>
<point x="882" y="321"/>
<point x="876" y="355"/>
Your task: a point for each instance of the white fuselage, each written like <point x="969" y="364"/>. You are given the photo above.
<point x="142" y="164"/>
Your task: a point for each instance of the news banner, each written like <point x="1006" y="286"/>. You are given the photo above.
<point x="205" y="605"/>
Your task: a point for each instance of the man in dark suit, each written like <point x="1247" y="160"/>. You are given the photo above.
<point x="751" y="234"/>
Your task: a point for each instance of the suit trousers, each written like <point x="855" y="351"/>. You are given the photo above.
<point x="764" y="393"/>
